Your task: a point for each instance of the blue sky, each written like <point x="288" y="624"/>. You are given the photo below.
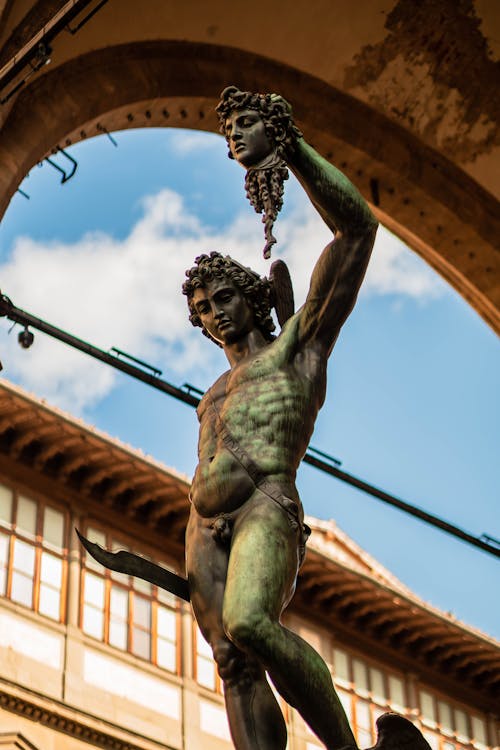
<point x="412" y="403"/>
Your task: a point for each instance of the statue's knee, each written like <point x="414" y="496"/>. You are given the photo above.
<point x="244" y="630"/>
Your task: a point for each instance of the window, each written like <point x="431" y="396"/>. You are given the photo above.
<point x="377" y="683"/>
<point x="341" y="667"/>
<point x="351" y="678"/>
<point x="427" y="709"/>
<point x="366" y="692"/>
<point x="452" y="727"/>
<point x="363" y="723"/>
<point x="478" y="738"/>
<point x="444" y="713"/>
<point x="33" y="553"/>
<point x="126" y="612"/>
<point x="360" y="677"/>
<point x="206" y="668"/>
<point x="166" y="632"/>
<point x="347" y="700"/>
<point x="397" y="694"/>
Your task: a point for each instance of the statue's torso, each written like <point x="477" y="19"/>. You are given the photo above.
<point x="269" y="403"/>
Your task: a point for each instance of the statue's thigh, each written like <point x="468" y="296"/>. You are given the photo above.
<point x="206" y="563"/>
<point x="263" y="563"/>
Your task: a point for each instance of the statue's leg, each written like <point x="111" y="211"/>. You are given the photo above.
<point x="260" y="581"/>
<point x="255" y="718"/>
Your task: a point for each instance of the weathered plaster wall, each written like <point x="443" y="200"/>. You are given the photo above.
<point x="435" y="72"/>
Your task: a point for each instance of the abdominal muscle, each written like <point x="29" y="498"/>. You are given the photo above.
<point x="222" y="485"/>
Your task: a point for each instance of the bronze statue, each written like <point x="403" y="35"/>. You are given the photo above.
<point x="246" y="535"/>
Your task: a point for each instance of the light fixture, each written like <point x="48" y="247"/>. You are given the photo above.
<point x="25" y="338"/>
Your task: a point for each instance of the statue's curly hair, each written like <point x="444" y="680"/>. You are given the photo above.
<point x="275" y="112"/>
<point x="257" y="290"/>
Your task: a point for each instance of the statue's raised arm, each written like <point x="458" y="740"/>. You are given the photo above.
<point x="340" y="269"/>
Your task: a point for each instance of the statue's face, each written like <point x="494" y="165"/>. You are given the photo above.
<point x="224" y="311"/>
<point x="247" y="138"/>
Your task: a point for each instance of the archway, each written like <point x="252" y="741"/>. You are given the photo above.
<point x="418" y="192"/>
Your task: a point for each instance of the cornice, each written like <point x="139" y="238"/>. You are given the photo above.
<point x="77" y="724"/>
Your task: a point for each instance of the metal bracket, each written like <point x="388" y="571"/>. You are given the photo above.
<point x="104" y="130"/>
<point x="41" y="57"/>
<point x="119" y="353"/>
<point x="192" y="389"/>
<point x="65" y="176"/>
<point x="335" y="461"/>
<point x="86" y="19"/>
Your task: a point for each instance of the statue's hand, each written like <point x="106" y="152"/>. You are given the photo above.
<point x="292" y="133"/>
<point x="278" y="99"/>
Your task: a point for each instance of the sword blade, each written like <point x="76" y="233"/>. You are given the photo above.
<point x="134" y="565"/>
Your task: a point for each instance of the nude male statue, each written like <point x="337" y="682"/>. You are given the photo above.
<point x="245" y="537"/>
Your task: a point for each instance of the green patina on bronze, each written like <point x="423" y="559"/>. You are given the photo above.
<point x="245" y="537"/>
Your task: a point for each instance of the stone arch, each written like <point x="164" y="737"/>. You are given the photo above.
<point x="442" y="213"/>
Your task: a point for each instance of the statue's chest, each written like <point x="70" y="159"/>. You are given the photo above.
<point x="264" y="365"/>
<point x="261" y="386"/>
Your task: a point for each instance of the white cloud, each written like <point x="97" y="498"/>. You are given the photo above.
<point x="126" y="293"/>
<point x="394" y="269"/>
<point x="186" y="142"/>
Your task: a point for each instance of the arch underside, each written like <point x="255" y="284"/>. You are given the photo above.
<point x="441" y="212"/>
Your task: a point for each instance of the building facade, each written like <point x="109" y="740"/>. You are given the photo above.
<point x="402" y="95"/>
<point x="92" y="658"/>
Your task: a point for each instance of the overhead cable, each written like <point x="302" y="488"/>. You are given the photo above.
<point x="314" y="457"/>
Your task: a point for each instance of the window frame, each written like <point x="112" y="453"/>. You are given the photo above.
<point x="115" y="541"/>
<point x="366" y="695"/>
<point x="451" y="735"/>
<point x="218" y="689"/>
<point x="39" y="545"/>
